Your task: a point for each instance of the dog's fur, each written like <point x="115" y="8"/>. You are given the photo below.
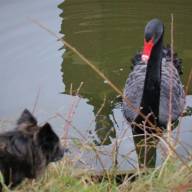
<point x="26" y="151"/>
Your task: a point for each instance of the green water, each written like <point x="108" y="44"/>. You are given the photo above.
<point x="109" y="33"/>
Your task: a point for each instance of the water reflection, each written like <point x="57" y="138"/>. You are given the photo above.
<point x="94" y="89"/>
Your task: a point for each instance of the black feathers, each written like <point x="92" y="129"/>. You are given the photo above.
<point x="136" y="60"/>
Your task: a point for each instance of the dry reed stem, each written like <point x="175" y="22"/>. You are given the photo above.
<point x="71" y="89"/>
<point x="115" y="149"/>
<point x="97" y="71"/>
<point x="188" y="82"/>
<point x="163" y="167"/>
<point x="100" y="161"/>
<point x="120" y="140"/>
<point x="170" y="147"/>
<point x="92" y="147"/>
<point x="76" y="129"/>
<point x="106" y="135"/>
<point x="117" y="90"/>
<point x="167" y="145"/>
<point x="91" y="65"/>
<point x="71" y="114"/>
<point x="36" y="100"/>
<point x="98" y="112"/>
<point x="169" y="125"/>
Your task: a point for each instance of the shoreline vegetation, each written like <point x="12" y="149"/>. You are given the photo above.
<point x="174" y="175"/>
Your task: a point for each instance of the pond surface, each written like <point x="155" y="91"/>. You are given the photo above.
<point x="37" y="73"/>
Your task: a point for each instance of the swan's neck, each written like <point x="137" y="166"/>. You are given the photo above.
<point x="151" y="92"/>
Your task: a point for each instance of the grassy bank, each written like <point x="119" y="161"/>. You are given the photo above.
<point x="173" y="176"/>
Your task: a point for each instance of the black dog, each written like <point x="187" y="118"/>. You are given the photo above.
<point x="26" y="151"/>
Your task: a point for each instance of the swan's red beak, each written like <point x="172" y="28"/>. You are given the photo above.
<point x="147" y="50"/>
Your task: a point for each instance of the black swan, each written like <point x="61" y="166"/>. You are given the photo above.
<point x="148" y="88"/>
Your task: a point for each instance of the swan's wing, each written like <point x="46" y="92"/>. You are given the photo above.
<point x="133" y="91"/>
<point x="178" y="95"/>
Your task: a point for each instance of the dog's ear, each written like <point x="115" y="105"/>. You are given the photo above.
<point x="27" y="118"/>
<point x="46" y="135"/>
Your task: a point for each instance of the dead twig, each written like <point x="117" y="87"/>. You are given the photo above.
<point x="36" y="100"/>
<point x="169" y="125"/>
<point x="71" y="114"/>
<point x="91" y="65"/>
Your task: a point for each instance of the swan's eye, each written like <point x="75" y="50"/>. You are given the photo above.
<point x="148" y="36"/>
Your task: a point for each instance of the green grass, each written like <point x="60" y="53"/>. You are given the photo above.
<point x="59" y="177"/>
<point x="173" y="176"/>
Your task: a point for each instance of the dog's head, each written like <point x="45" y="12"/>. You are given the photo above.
<point x="44" y="137"/>
<point x="49" y="143"/>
